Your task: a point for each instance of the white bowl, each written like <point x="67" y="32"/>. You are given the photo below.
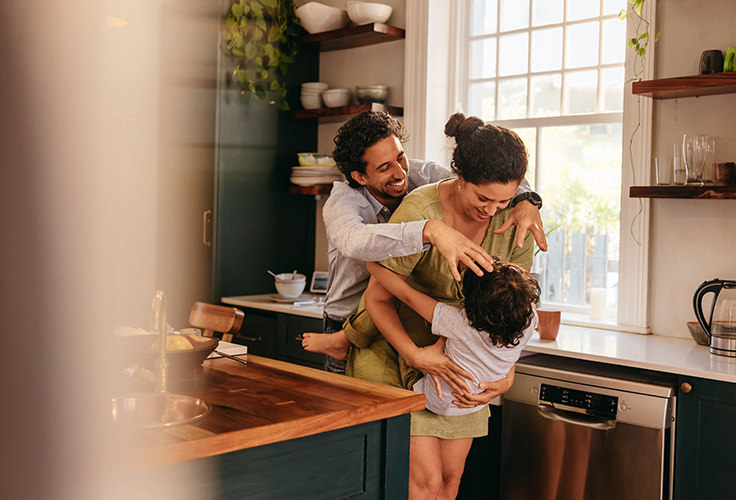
<point x="311" y="101"/>
<point x="369" y="12"/>
<point x="317" y="17"/>
<point x="336" y="99"/>
<point x="321" y="86"/>
<point x="371" y="93"/>
<point x="290" y="285"/>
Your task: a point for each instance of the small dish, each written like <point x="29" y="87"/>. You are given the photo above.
<point x="369" y="12"/>
<point x="284" y="300"/>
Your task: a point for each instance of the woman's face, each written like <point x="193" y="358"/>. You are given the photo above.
<point x="481" y="201"/>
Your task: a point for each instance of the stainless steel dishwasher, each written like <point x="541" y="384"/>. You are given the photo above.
<point x="578" y="430"/>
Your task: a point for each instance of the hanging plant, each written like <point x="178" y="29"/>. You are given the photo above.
<point x="640" y="41"/>
<point x="261" y="34"/>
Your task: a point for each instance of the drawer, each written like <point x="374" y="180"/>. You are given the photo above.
<point x="259" y="332"/>
<point x="290" y="348"/>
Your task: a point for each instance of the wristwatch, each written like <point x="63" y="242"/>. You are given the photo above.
<point x="529" y="196"/>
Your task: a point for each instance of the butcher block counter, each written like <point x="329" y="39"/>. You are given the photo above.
<point x="269" y="416"/>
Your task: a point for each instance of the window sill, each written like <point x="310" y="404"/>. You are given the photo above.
<point x="607" y="324"/>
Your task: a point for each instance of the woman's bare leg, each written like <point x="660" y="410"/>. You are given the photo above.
<point x="453" y="453"/>
<point x="335" y="345"/>
<point x="425" y="468"/>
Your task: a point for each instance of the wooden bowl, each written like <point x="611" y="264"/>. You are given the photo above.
<point x="142" y="350"/>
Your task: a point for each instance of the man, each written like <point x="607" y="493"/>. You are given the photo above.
<point x="369" y="152"/>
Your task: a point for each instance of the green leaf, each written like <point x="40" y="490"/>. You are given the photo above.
<point x="250" y="50"/>
<point x="237" y="10"/>
<point x="642" y="51"/>
<point x="622" y="14"/>
<point x="238" y="52"/>
<point x="269" y="3"/>
<point x="644" y="35"/>
<point x="261" y="23"/>
<point x="656" y="37"/>
<point x="638" y="5"/>
<point x="633" y="42"/>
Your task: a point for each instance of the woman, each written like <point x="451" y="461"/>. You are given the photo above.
<point x="489" y="162"/>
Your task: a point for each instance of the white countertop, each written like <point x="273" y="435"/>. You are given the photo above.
<point x="651" y="352"/>
<point x="266" y="302"/>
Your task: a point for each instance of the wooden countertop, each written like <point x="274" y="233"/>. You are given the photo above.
<point x="263" y="402"/>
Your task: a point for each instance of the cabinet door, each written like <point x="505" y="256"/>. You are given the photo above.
<point x="705" y="448"/>
<point x="290" y="347"/>
<point x="259" y="332"/>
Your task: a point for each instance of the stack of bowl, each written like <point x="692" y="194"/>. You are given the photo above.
<point x="334" y="98"/>
<point x="312" y="94"/>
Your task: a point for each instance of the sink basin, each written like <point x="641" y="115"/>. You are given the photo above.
<point x="150" y="410"/>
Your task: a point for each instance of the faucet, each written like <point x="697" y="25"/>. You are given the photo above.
<point x="159" y="322"/>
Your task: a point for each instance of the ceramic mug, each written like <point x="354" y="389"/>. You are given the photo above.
<point x="724" y="174"/>
<point x="549" y="323"/>
<point x="711" y="61"/>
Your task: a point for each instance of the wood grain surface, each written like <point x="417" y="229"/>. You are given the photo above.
<point x="263" y="402"/>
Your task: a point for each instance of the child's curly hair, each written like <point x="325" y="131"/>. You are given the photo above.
<point x="501" y="302"/>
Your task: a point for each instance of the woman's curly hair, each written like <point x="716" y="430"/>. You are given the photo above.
<point x="501" y="303"/>
<point x="358" y="134"/>
<point x="485" y="153"/>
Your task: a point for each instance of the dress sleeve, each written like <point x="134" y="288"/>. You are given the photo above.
<point x="406" y="212"/>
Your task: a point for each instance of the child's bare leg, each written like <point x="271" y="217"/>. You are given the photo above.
<point x="334" y="345"/>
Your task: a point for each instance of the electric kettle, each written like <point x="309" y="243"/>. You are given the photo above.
<point x="721" y="323"/>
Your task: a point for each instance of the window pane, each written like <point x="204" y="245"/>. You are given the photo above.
<point x="613" y="6"/>
<point x="482" y="62"/>
<point x="547" y="12"/>
<point x="514" y="14"/>
<point x="580" y="182"/>
<point x="513" y="54"/>
<point x="483" y="17"/>
<point x="581" y="45"/>
<point x="482" y="100"/>
<point x="547" y="49"/>
<point x="580" y="92"/>
<point x="512" y="99"/>
<point x="529" y="136"/>
<point x="614" y="31"/>
<point x="582" y="9"/>
<point x="546" y="92"/>
<point x="612" y="83"/>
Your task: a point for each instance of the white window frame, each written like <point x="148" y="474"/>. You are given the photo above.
<point x="431" y="91"/>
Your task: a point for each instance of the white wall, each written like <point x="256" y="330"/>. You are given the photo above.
<point x="691" y="240"/>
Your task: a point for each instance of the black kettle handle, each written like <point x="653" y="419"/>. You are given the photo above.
<point x="706" y="287"/>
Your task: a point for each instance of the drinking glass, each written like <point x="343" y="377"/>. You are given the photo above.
<point x="694" y="154"/>
<point x="678" y="165"/>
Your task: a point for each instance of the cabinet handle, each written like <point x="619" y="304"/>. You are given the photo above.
<point x="685" y="387"/>
<point x="206" y="219"/>
<point x="251" y="339"/>
<point x="299" y="338"/>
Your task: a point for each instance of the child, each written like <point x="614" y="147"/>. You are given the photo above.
<point x="485" y="337"/>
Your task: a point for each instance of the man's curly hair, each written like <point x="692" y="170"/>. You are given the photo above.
<point x="501" y="303"/>
<point x="358" y="134"/>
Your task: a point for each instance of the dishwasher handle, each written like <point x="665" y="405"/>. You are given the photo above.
<point x="552" y="413"/>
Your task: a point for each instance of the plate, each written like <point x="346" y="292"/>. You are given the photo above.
<point x="283" y="300"/>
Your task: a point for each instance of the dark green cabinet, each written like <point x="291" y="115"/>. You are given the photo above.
<point x="705" y="445"/>
<point x="277" y="335"/>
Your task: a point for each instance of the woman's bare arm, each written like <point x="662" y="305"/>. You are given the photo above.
<point x="397" y="286"/>
<point x="380" y="305"/>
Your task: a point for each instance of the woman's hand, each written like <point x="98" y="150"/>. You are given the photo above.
<point x="433" y="362"/>
<point x="492" y="390"/>
<point x="527" y="217"/>
<point x="457" y="249"/>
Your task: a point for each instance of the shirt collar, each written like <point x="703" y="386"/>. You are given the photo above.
<point x="378" y="207"/>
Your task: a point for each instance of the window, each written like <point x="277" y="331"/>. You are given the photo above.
<point x="553" y="71"/>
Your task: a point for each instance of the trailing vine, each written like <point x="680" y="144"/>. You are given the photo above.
<point x="639" y="44"/>
<point x="261" y="34"/>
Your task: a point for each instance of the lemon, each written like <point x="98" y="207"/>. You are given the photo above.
<point x="177" y="343"/>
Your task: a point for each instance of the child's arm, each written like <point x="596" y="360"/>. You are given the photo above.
<point x="398" y="287"/>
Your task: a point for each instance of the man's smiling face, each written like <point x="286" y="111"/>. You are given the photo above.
<point x="385" y="172"/>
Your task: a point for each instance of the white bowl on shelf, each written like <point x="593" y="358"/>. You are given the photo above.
<point x="334" y="98"/>
<point x="311" y="101"/>
<point x="317" y="17"/>
<point x="368" y="12"/>
<point x="314" y="86"/>
<point x="290" y="285"/>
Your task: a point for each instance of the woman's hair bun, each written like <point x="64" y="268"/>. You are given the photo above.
<point x="460" y="127"/>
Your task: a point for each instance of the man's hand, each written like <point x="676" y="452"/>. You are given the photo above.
<point x="433" y="362"/>
<point x="456" y="248"/>
<point x="492" y="390"/>
<point x="527" y="217"/>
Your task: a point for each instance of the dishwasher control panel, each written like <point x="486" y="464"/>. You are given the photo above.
<point x="588" y="403"/>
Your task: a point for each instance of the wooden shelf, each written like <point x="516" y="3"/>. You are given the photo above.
<point x="354" y="36"/>
<point x="687" y="86"/>
<point x="695" y="192"/>
<point x="316" y="190"/>
<point x="337" y="114"/>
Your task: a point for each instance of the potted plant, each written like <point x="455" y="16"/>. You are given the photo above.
<point x="262" y="34"/>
